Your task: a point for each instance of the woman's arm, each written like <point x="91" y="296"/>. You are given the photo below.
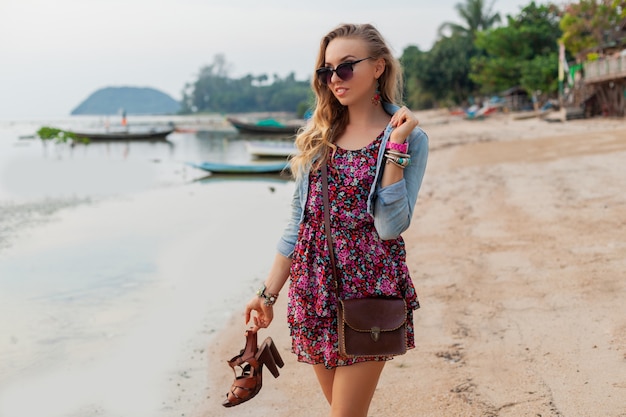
<point x="403" y="122"/>
<point x="278" y="275"/>
<point x="279" y="271"/>
<point x="394" y="203"/>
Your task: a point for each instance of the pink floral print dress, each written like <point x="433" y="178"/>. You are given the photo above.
<point x="367" y="265"/>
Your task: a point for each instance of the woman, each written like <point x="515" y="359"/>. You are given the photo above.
<point x="373" y="185"/>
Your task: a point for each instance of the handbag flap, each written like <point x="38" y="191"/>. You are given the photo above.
<point x="362" y="314"/>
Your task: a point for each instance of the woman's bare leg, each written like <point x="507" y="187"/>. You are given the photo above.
<point x="349" y="389"/>
<point x="325" y="378"/>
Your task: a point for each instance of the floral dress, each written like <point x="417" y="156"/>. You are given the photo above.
<point x="367" y="265"/>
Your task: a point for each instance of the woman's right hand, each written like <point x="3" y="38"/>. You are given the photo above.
<point x="263" y="314"/>
<point x="403" y="121"/>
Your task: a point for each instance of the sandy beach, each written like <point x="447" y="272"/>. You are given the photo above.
<point x="518" y="253"/>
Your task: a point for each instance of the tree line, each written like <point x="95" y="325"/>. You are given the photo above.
<point x="216" y="92"/>
<point x="484" y="55"/>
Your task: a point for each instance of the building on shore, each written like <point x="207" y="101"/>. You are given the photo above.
<point x="598" y="80"/>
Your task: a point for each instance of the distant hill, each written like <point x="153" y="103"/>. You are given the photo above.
<point x="134" y="100"/>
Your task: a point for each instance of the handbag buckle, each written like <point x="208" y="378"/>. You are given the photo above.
<point x="375" y="333"/>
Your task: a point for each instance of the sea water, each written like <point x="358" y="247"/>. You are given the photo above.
<point x="113" y="256"/>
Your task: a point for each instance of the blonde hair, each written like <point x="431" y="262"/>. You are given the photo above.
<point x="330" y="117"/>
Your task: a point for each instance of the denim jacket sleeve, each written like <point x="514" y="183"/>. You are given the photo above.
<point x="287" y="242"/>
<point x="394" y="204"/>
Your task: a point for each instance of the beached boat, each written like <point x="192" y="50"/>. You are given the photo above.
<point x="152" y="133"/>
<point x="271" y="149"/>
<point x="266" y="126"/>
<point x="241" y="168"/>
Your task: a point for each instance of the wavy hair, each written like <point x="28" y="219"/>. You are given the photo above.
<point x="330" y="117"/>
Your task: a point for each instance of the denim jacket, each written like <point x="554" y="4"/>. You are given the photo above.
<point x="391" y="206"/>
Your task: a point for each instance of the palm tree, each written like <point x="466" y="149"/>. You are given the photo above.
<point x="476" y="15"/>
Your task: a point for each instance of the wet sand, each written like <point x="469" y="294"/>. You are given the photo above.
<point x="518" y="253"/>
<point x="107" y="307"/>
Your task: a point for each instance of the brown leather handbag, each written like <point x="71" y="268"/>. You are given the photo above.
<point x="365" y="326"/>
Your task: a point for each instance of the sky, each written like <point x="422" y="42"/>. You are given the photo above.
<point x="54" y="54"/>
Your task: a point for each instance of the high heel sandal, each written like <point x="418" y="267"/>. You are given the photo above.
<point x="248" y="367"/>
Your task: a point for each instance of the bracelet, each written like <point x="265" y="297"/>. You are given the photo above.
<point x="402" y="162"/>
<point x="268" y="299"/>
<point x="395" y="163"/>
<point x="402" y="147"/>
<point x="401" y="158"/>
<point x="397" y="153"/>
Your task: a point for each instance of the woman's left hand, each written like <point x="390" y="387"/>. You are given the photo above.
<point x="403" y="122"/>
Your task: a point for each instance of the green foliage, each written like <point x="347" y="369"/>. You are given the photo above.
<point x="414" y="64"/>
<point x="215" y="91"/>
<point x="478" y="57"/>
<point x="441" y="76"/>
<point x="587" y="24"/>
<point x="448" y="67"/>
<point x="59" y="135"/>
<point x="476" y="15"/>
<point x="539" y="73"/>
<point x="522" y="53"/>
<point x="494" y="74"/>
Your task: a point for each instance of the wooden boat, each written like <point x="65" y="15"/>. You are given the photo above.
<point x="131" y="134"/>
<point x="267" y="126"/>
<point x="241" y="168"/>
<point x="271" y="149"/>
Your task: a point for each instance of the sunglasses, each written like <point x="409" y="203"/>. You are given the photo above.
<point x="345" y="71"/>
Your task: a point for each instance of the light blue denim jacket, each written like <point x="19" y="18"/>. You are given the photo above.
<point x="391" y="206"/>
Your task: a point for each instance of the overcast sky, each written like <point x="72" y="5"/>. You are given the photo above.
<point x="55" y="53"/>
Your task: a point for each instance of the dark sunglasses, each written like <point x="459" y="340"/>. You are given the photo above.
<point x="345" y="71"/>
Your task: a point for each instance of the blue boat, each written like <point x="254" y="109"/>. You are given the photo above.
<point x="241" y="168"/>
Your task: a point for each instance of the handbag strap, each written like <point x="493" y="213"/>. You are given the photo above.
<point x="329" y="236"/>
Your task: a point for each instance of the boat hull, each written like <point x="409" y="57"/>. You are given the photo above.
<point x="152" y="134"/>
<point x="245" y="168"/>
<point x="268" y="149"/>
<point x="244" y="127"/>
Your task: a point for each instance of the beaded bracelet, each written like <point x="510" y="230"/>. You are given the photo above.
<point x="395" y="163"/>
<point x="402" y="147"/>
<point x="402" y="162"/>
